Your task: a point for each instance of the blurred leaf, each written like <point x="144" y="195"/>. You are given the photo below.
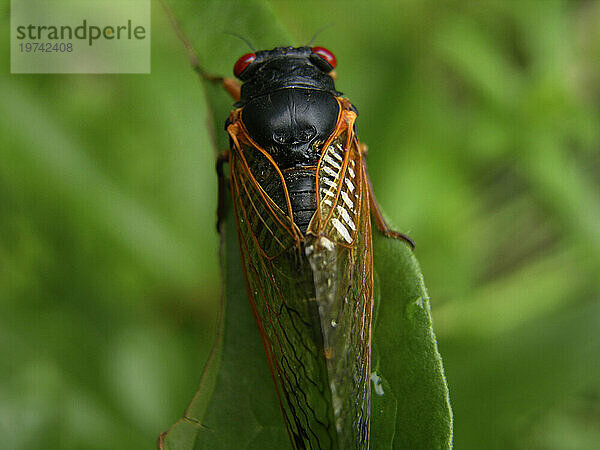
<point x="56" y="154"/>
<point x="236" y="405"/>
<point x="500" y="383"/>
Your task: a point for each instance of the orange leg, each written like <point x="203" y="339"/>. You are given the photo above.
<point x="231" y="85"/>
<point x="382" y="226"/>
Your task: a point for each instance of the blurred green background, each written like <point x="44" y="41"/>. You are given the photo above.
<point x="482" y="120"/>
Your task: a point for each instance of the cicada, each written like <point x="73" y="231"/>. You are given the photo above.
<point x="303" y="204"/>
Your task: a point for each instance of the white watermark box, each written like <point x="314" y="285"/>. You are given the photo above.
<point x="80" y="36"/>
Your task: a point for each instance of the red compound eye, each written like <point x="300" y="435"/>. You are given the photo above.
<point x="242" y="63"/>
<point x="326" y="55"/>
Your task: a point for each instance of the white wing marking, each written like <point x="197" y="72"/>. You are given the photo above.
<point x="331" y="161"/>
<point x="330" y="171"/>
<point x="349" y="184"/>
<point x="339" y="226"/>
<point x="347" y="200"/>
<point x="346" y="217"/>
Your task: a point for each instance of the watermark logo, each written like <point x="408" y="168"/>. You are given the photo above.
<point x="75" y="36"/>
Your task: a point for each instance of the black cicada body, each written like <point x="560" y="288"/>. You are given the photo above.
<point x="303" y="205"/>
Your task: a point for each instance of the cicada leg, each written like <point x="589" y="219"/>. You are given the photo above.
<point x="231" y="85"/>
<point x="382" y="226"/>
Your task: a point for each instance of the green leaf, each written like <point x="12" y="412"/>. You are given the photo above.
<point x="236" y="402"/>
<point x="405" y="356"/>
<point x="236" y="405"/>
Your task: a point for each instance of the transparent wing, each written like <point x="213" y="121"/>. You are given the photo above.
<point x="281" y="291"/>
<point x="339" y="251"/>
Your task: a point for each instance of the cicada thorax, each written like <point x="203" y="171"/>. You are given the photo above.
<point x="286" y="131"/>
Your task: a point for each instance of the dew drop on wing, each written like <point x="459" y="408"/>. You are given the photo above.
<point x="377" y="386"/>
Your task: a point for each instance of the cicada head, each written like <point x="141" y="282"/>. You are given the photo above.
<point x="285" y="67"/>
